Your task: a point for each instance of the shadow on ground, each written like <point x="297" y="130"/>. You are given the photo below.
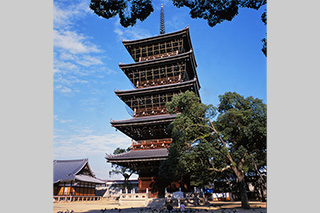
<point x="157" y="206"/>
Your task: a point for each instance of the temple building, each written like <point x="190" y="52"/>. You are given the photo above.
<point x="74" y="178"/>
<point x="164" y="65"/>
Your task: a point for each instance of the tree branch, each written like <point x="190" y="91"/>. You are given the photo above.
<point x="215" y="131"/>
<point x="219" y="170"/>
<point x="242" y="161"/>
<point x="256" y="168"/>
<point x="224" y="144"/>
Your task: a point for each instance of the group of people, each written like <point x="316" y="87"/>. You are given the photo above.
<point x="171" y="209"/>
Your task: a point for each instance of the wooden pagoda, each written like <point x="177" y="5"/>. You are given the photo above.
<point x="164" y="65"/>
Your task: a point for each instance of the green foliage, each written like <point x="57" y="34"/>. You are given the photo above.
<point x="214" y="12"/>
<point x="242" y="121"/>
<point x="264" y="40"/>
<point x="264" y="46"/>
<point x="128" y="10"/>
<point x="118" y="151"/>
<point x="264" y="17"/>
<point x="117" y="169"/>
<point x="190" y="116"/>
<point x="203" y="146"/>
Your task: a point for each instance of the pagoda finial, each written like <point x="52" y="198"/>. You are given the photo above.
<point x="162" y="31"/>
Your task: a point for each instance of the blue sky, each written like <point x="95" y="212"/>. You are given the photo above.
<point x="88" y="49"/>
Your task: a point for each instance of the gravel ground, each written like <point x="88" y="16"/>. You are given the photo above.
<point x="109" y="206"/>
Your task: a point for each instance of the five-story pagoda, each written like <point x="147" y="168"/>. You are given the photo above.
<point x="164" y="65"/>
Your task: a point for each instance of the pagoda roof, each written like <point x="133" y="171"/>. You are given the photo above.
<point x="145" y="127"/>
<point x="159" y="88"/>
<point x="144" y="120"/>
<point x="189" y="54"/>
<point x="139" y="155"/>
<point x="70" y="170"/>
<point x="185" y="31"/>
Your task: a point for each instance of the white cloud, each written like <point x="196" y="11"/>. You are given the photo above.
<point x="65" y="34"/>
<point x="130" y="33"/>
<point x="66" y="56"/>
<point x="75" y="54"/>
<point x="63" y="89"/>
<point x="177" y="21"/>
<point x="84" y="146"/>
<point x="88" y="60"/>
<point x="93" y="147"/>
<point x="65" y="15"/>
<point x="63" y="67"/>
<point x="61" y="120"/>
<point x="73" y="42"/>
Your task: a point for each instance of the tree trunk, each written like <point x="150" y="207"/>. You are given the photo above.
<point x="262" y="198"/>
<point x="125" y="182"/>
<point x="260" y="182"/>
<point x="243" y="193"/>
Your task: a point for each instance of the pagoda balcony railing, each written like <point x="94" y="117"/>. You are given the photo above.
<point x="159" y="81"/>
<point x="147" y="111"/>
<point x="151" y="144"/>
<point x="162" y="55"/>
<point x="141" y="52"/>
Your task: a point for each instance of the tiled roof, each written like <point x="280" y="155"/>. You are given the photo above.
<point x="86" y="178"/>
<point x="145" y="119"/>
<point x="139" y="155"/>
<point x="184" y="55"/>
<point x="160" y="36"/>
<point x="166" y="87"/>
<point x="67" y="170"/>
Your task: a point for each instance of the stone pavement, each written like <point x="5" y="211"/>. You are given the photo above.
<point x="105" y="206"/>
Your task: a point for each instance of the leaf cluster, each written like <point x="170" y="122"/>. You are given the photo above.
<point x="128" y="10"/>
<point x="216" y="12"/>
<point x="242" y="121"/>
<point x="204" y="136"/>
<point x="117" y="169"/>
<point x="213" y="11"/>
<point x="190" y="119"/>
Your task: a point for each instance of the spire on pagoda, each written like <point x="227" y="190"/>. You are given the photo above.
<point x="162" y="30"/>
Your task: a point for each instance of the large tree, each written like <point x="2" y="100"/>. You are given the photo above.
<point x="215" y="12"/>
<point x="208" y="140"/>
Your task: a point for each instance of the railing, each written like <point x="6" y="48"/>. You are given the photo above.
<point x="149" y="144"/>
<point x="133" y="199"/>
<point x="75" y="198"/>
<point x="159" y="81"/>
<point x="147" y="111"/>
<point x="161" y="55"/>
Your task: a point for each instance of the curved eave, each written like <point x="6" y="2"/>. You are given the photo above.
<point x="136" y="160"/>
<point x="64" y="180"/>
<point x="86" y="163"/>
<point x="138" y="121"/>
<point x="67" y="172"/>
<point x="82" y="166"/>
<point x="159" y="37"/>
<point x="89" y="179"/>
<point x="139" y="155"/>
<point x="81" y="178"/>
<point x="139" y="64"/>
<point x="167" y="87"/>
<point x="188" y="55"/>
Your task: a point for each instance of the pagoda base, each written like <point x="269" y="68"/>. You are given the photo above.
<point x="151" y="185"/>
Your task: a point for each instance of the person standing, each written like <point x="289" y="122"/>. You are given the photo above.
<point x="182" y="207"/>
